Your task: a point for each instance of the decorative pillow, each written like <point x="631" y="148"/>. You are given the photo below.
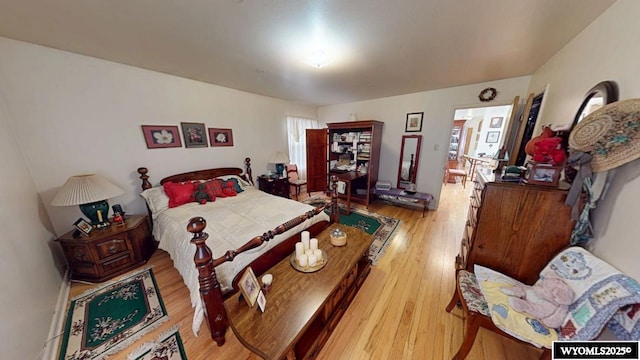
<point x="241" y="182"/>
<point x="156" y="199"/>
<point x="213" y="188"/>
<point x="201" y="195"/>
<point x="179" y="193"/>
<point x="236" y="185"/>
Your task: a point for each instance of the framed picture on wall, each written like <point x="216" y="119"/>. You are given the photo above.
<point x="161" y="136"/>
<point x="221" y="137"/>
<point x="194" y="134"/>
<point x="496" y="122"/>
<point x="492" y="137"/>
<point x="414" y="122"/>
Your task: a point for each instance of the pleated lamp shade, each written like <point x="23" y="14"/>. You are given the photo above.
<point x="90" y="192"/>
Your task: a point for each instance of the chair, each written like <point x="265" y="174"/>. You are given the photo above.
<point x="455" y="173"/>
<point x="294" y="178"/>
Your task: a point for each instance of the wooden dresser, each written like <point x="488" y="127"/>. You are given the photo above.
<point x="107" y="253"/>
<point x="514" y="228"/>
<point x="278" y="187"/>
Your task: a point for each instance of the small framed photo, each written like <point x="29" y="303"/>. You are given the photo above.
<point x="83" y="226"/>
<point x="194" y="134"/>
<point x="249" y="287"/>
<point x="262" y="301"/>
<point x="414" y="122"/>
<point x="221" y="137"/>
<point x="161" y="136"/>
<point x="496" y="122"/>
<point x="542" y="174"/>
<point x="492" y="137"/>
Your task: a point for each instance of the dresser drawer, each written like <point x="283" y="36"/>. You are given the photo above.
<point x="117" y="264"/>
<point x="112" y="247"/>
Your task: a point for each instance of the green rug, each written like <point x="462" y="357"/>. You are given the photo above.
<point x="106" y="319"/>
<point x="167" y="347"/>
<point x="380" y="226"/>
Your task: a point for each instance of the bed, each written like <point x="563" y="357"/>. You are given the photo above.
<point x="262" y="226"/>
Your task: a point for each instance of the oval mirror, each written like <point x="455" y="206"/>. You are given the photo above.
<point x="598" y="96"/>
<point x="409" y="156"/>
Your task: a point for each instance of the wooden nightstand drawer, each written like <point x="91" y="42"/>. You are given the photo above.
<point x="117" y="263"/>
<point x="112" y="247"/>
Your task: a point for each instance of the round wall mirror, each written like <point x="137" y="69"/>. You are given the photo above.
<point x="598" y="96"/>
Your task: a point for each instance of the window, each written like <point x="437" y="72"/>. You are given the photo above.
<point x="296" y="129"/>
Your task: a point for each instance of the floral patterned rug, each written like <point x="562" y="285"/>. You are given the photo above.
<point x="167" y="347"/>
<point x="108" y="318"/>
<point x="380" y="226"/>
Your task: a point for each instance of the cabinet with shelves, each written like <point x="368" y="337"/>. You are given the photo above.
<point x="348" y="149"/>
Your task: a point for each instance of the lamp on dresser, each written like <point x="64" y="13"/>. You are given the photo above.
<point x="90" y="192"/>
<point x="280" y="158"/>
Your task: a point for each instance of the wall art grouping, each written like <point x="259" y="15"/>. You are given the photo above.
<point x="194" y="135"/>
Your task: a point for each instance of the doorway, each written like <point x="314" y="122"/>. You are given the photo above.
<point x="477" y="133"/>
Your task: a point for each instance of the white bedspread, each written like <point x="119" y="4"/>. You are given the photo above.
<point x="231" y="222"/>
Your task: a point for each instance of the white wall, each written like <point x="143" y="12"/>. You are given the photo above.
<point x="29" y="277"/>
<point x="439" y="108"/>
<point x="74" y="114"/>
<point x="606" y="50"/>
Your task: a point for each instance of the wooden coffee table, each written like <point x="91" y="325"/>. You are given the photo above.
<point x="303" y="308"/>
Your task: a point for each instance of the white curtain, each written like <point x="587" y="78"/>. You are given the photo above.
<point x="296" y="129"/>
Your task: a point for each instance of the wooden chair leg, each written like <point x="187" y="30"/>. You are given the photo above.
<point x="471" y="330"/>
<point x="455" y="299"/>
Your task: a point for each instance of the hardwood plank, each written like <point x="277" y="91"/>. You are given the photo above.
<point x="399" y="311"/>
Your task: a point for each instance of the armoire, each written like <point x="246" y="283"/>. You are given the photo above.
<point x="350" y="150"/>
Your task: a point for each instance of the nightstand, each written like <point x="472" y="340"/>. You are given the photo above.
<point x="278" y="187"/>
<point x="107" y="253"/>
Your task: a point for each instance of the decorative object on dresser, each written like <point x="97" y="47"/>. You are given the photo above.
<point x="161" y="136"/>
<point x="105" y="254"/>
<point x="513" y="228"/>
<point x="274" y="186"/>
<point x="195" y="135"/>
<point x="341" y="150"/>
<point x="414" y="122"/>
<point x="90" y="192"/>
<point x="220" y="137"/>
<point x="279" y="159"/>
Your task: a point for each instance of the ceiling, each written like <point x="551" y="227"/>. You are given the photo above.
<point x="379" y="47"/>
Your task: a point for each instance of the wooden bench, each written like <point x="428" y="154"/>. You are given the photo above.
<point x="401" y="197"/>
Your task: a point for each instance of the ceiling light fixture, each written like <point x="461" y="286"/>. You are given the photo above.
<point x="319" y="58"/>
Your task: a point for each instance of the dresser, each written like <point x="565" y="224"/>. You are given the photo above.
<point x="514" y="228"/>
<point x="109" y="252"/>
<point x="279" y="187"/>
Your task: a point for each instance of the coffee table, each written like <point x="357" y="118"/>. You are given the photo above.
<point x="303" y="308"/>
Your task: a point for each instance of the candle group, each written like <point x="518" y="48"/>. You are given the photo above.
<point x="307" y="251"/>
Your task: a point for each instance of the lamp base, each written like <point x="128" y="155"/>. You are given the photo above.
<point x="280" y="169"/>
<point x="98" y="213"/>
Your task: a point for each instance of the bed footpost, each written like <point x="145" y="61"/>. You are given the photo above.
<point x="209" y="285"/>
<point x="335" y="211"/>
<point x="247" y="166"/>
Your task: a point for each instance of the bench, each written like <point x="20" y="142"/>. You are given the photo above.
<point x="400" y="197"/>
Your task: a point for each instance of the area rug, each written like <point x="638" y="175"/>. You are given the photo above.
<point x="167" y="347"/>
<point x="380" y="226"/>
<point x="106" y="319"/>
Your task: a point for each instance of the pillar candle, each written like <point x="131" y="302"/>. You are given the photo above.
<point x="312" y="260"/>
<point x="304" y="235"/>
<point x="318" y="254"/>
<point x="313" y="244"/>
<point x="308" y="252"/>
<point x="302" y="260"/>
<point x="299" y="249"/>
<point x="305" y="243"/>
<point x="99" y="213"/>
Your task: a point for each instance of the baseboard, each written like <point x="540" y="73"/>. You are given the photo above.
<point x="50" y="350"/>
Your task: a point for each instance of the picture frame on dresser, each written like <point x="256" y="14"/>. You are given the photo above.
<point x="249" y="287"/>
<point x="83" y="226"/>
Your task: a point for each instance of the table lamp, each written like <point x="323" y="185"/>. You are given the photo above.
<point x="90" y="192"/>
<point x="280" y="158"/>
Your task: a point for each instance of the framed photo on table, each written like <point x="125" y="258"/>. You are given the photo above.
<point x="414" y="122"/>
<point x="249" y="287"/>
<point x="83" y="226"/>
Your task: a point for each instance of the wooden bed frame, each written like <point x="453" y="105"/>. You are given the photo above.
<point x="210" y="290"/>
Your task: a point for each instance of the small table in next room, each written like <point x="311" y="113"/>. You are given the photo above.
<point x="401" y="197"/>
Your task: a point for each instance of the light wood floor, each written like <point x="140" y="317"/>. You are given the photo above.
<point x="398" y="313"/>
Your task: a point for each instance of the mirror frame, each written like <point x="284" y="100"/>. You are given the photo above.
<point x="609" y="90"/>
<point x="416" y="159"/>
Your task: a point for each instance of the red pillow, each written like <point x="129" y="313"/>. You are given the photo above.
<point x="229" y="188"/>
<point x="179" y="193"/>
